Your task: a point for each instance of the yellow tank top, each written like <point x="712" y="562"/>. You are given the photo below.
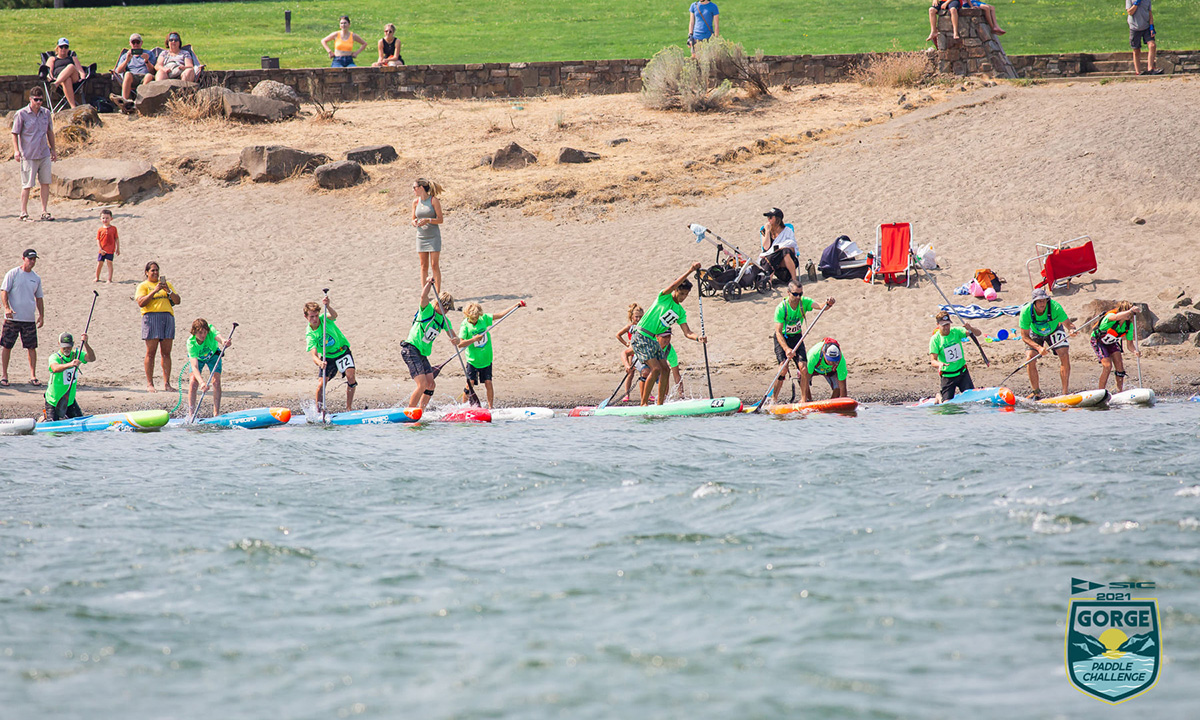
<point x="344" y="45"/>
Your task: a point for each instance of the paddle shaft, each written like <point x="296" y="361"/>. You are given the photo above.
<point x="1053" y="347"/>
<point x="707" y="372"/>
<point x="324" y="377"/>
<point x="472" y="398"/>
<point x="916" y="262"/>
<point x="1137" y="350"/>
<point x="64" y="401"/>
<point x="786" y="360"/>
<point x="437" y="369"/>
<point x="617" y="389"/>
<point x="204" y="391"/>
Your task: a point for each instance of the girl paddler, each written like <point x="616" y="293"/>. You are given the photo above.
<point x="329" y="349"/>
<point x="427" y="324"/>
<point x="652" y="340"/>
<point x="1106" y="341"/>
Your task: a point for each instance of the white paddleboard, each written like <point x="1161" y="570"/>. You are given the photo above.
<point x="17" y="426"/>
<point x="1137" y="396"/>
<point x="522" y="413"/>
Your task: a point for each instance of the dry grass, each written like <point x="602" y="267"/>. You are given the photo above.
<point x="894" y="70"/>
<point x="194" y="107"/>
<point x="69" y="139"/>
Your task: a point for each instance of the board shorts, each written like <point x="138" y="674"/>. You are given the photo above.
<point x="830" y="378"/>
<point x="338" y="364"/>
<point x="158" y="326"/>
<point x="1104" y="350"/>
<point x="35" y="172"/>
<point x="212" y="362"/>
<point x="1058" y="337"/>
<point x="26" y="330"/>
<point x="1136" y="38"/>
<point x="647" y="348"/>
<point x="953" y="383"/>
<point x="71" y="411"/>
<point x="479" y="375"/>
<point x="801" y="357"/>
<point x="101" y="257"/>
<point x="417" y="363"/>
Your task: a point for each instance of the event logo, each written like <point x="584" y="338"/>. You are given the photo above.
<point x="1113" y="644"/>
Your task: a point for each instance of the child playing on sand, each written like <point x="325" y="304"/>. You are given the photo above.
<point x="106" y="238"/>
<point x="330" y="350"/>
<point x="474" y="335"/>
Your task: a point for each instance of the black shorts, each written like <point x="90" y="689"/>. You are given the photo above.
<point x="1058" y="337"/>
<point x="952" y="5"/>
<point x="1137" y="37"/>
<point x="338" y="364"/>
<point x="479" y="375"/>
<point x="101" y="257"/>
<point x="71" y="411"/>
<point x="417" y="363"/>
<point x="801" y="357"/>
<point x="959" y="382"/>
<point x="13" y="328"/>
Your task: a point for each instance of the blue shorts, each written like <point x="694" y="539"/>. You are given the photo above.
<point x="212" y="363"/>
<point x="104" y="256"/>
<point x="343" y="61"/>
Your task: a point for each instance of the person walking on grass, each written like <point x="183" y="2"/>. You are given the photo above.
<point x="21" y="296"/>
<point x="157" y="300"/>
<point x="427" y="219"/>
<point x="330" y="351"/>
<point x="110" y="244"/>
<point x="33" y="147"/>
<point x="1141" y="30"/>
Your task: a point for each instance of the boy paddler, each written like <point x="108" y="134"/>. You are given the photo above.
<point x="330" y="350"/>
<point x="826" y="359"/>
<point x="476" y="337"/>
<point x="652" y="341"/>
<point x="427" y="324"/>
<point x="946" y="354"/>
<point x="64" y="371"/>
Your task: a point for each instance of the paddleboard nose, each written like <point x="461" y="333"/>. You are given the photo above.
<point x="283" y="415"/>
<point x="414" y="413"/>
<point x="1007" y="396"/>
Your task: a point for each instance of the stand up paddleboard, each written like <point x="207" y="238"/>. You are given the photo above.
<point x="1138" y="396"/>
<point x="466" y="415"/>
<point x="137" y="420"/>
<point x="1000" y="396"/>
<point x="832" y="405"/>
<point x="522" y="413"/>
<point x="382" y="416"/>
<point x="681" y="408"/>
<point x="17" y="426"/>
<point x="252" y="418"/>
<point x="1087" y="398"/>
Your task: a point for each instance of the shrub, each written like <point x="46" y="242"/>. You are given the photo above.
<point x="194" y="107"/>
<point x="894" y="70"/>
<point x="672" y="79"/>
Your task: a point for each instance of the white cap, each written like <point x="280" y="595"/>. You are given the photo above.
<point x="134" y="36"/>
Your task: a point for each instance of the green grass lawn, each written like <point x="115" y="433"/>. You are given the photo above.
<point x="236" y="35"/>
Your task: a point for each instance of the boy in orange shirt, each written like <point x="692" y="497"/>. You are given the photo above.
<point x="106" y="237"/>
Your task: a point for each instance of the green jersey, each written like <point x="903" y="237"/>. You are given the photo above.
<point x="427" y="325"/>
<point x="1043" y="325"/>
<point x="818" y="366"/>
<point x="61" y="382"/>
<point x="664" y="313"/>
<point x="949" y="350"/>
<point x="479" y="353"/>
<point x="793" y="317"/>
<point x="335" y="342"/>
<point x="206" y="349"/>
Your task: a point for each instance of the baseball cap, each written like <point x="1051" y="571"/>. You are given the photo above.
<point x="774" y="212"/>
<point x="943" y="318"/>
<point x="1041" y="294"/>
<point x="134" y="36"/>
<point x="30" y="253"/>
<point x="174" y="36"/>
<point x="63" y="42"/>
<point x="832" y="352"/>
<point x="66" y="339"/>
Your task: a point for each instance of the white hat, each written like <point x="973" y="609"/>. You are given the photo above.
<point x="63" y="41"/>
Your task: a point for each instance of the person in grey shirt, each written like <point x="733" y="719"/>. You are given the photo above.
<point x="33" y="147"/>
<point x="133" y="70"/>
<point x="20" y="296"/>
<point x="1141" y="29"/>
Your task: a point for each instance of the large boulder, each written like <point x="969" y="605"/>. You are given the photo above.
<point x="340" y="174"/>
<point x="102" y="180"/>
<point x="153" y="96"/>
<point x="277" y="91"/>
<point x="373" y="154"/>
<point x="571" y="155"/>
<point x="1176" y="323"/>
<point x="512" y="156"/>
<point x="82" y="115"/>
<point x="213" y="96"/>
<point x="272" y="163"/>
<point x="1159" y="339"/>
<point x="1193" y="320"/>
<point x="252" y="108"/>
<point x="226" y="168"/>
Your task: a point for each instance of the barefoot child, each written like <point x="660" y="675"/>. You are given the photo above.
<point x="428" y="323"/>
<point x="106" y="238"/>
<point x="330" y="350"/>
<point x="476" y="338"/>
<point x="204" y="351"/>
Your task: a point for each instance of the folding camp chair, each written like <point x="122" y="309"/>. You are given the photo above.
<point x="1062" y="262"/>
<point x="893" y="255"/>
<point x="59" y="103"/>
<point x="156" y="52"/>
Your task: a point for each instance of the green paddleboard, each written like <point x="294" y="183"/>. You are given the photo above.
<point x="719" y="406"/>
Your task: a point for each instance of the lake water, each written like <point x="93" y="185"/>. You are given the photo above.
<point x="899" y="564"/>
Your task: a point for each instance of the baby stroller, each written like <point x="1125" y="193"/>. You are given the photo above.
<point x="732" y="272"/>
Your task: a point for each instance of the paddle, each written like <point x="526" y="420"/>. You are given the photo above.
<point x="616" y="389"/>
<point x="321" y="370"/>
<point x="61" y="406"/>
<point x="204" y="391"/>
<point x="916" y="262"/>
<point x="707" y="372"/>
<point x="1138" y="353"/>
<point x="471" y="396"/>
<point x="437" y="369"/>
<point x="1052" y="347"/>
<point x="786" y="360"/>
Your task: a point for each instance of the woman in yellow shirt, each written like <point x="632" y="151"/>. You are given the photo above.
<point x="343" y="53"/>
<point x="157" y="299"/>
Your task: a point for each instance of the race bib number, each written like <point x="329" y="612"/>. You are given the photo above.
<point x="1059" y="337"/>
<point x="1109" y="339"/>
<point x="668" y="318"/>
<point x="68" y="375"/>
<point x="793" y="329"/>
<point x="953" y="353"/>
<point x="344" y="363"/>
<point x="482" y="341"/>
<point x="431" y="334"/>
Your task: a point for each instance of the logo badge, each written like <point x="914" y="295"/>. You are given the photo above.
<point x="1113" y="643"/>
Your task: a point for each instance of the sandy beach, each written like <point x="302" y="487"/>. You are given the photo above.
<point x="982" y="172"/>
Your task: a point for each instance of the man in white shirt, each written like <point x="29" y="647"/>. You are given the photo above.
<point x="779" y="243"/>
<point x="20" y="296"/>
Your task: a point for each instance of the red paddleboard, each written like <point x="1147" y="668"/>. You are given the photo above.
<point x="837" y="405"/>
<point x="582" y="411"/>
<point x="469" y="414"/>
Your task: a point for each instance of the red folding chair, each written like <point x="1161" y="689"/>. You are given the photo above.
<point x="893" y="256"/>
<point x="1063" y="262"/>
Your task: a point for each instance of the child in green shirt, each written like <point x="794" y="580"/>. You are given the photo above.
<point x="428" y="323"/>
<point x="204" y="351"/>
<point x="330" y="350"/>
<point x="475" y="336"/>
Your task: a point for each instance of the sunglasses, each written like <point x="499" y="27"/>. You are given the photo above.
<point x="135" y="42"/>
<point x="800" y="294"/>
<point x="36" y="100"/>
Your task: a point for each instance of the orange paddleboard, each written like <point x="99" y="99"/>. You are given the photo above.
<point x="837" y="405"/>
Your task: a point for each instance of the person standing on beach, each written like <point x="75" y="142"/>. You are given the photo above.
<point x="204" y="350"/>
<point x="426" y="218"/>
<point x="157" y="299"/>
<point x="428" y="323"/>
<point x="109" y="243"/>
<point x="1141" y="29"/>
<point x="20" y="296"/>
<point x="1044" y="325"/>
<point x="946" y="354"/>
<point x="33" y="147"/>
<point x="703" y="22"/>
<point x="329" y="349"/>
<point x="652" y="342"/>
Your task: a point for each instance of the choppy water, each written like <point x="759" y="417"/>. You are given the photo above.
<point x="899" y="564"/>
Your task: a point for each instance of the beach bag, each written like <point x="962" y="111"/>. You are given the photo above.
<point x="927" y="257"/>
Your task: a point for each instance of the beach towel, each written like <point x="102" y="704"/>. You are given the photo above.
<point x="974" y="312"/>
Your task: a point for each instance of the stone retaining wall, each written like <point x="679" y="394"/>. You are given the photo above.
<point x="580" y="77"/>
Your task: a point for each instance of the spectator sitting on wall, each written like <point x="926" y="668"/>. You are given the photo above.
<point x="342" y="54"/>
<point x="66" y="70"/>
<point x="989" y="16"/>
<point x="134" y="69"/>
<point x="389" y="49"/>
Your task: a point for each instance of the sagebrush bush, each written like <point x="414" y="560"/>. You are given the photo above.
<point x="194" y="107"/>
<point x="672" y="79"/>
<point x="894" y="70"/>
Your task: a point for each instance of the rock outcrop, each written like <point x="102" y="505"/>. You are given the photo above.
<point x="571" y="155"/>
<point x="253" y="108"/>
<point x="339" y="174"/>
<point x="272" y="163"/>
<point x="102" y="180"/>
<point x="153" y="96"/>
<point x="512" y="156"/>
<point x="277" y="91"/>
<point x="373" y="154"/>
